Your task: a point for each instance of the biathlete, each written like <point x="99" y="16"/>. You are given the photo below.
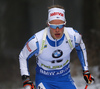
<point x="52" y="47"/>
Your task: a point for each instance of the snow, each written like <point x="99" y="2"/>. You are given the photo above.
<point x="78" y="79"/>
<point x="80" y="83"/>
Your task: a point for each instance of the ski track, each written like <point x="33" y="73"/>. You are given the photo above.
<point x="79" y="80"/>
<point x="80" y="83"/>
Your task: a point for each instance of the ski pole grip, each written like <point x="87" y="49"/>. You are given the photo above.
<point x="27" y="87"/>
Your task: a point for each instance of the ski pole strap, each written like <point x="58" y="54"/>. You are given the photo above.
<point x="68" y="38"/>
<point x="43" y="40"/>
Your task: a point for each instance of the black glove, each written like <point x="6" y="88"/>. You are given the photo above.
<point x="88" y="77"/>
<point x="27" y="81"/>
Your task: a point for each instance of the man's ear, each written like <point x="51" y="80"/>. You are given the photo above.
<point x="47" y="23"/>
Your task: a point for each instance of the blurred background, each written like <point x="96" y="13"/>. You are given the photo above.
<point x="20" y="19"/>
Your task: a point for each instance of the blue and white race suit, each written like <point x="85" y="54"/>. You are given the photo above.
<point x="53" y="64"/>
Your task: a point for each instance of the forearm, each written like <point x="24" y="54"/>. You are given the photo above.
<point x="82" y="54"/>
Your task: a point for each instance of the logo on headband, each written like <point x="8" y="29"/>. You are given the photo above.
<point x="57" y="13"/>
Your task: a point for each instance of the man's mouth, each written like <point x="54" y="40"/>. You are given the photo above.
<point x="57" y="35"/>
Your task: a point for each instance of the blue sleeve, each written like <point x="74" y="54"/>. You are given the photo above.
<point x="80" y="55"/>
<point x="81" y="50"/>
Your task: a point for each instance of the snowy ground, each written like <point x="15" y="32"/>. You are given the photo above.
<point x="79" y="81"/>
<point x="81" y="84"/>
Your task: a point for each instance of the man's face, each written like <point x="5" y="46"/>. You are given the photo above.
<point x="58" y="32"/>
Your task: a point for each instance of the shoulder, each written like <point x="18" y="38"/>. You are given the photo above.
<point x="35" y="39"/>
<point x="78" y="36"/>
<point x="31" y="44"/>
<point x="39" y="34"/>
<point x="74" y="33"/>
<point x="70" y="31"/>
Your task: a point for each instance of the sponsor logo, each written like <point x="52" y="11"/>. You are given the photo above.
<point x="47" y="72"/>
<point x="45" y="46"/>
<point x="27" y="45"/>
<point x="57" y="13"/>
<point x="57" y="53"/>
<point x="52" y="73"/>
<point x="54" y="67"/>
<point x="57" y="17"/>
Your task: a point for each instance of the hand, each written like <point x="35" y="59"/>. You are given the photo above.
<point x="88" y="77"/>
<point x="27" y="82"/>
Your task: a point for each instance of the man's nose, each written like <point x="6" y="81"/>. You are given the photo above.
<point x="57" y="29"/>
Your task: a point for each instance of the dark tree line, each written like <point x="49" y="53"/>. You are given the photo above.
<point x="20" y="19"/>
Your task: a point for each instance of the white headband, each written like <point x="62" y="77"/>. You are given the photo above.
<point x="56" y="13"/>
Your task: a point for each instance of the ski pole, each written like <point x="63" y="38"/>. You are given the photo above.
<point x="86" y="86"/>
